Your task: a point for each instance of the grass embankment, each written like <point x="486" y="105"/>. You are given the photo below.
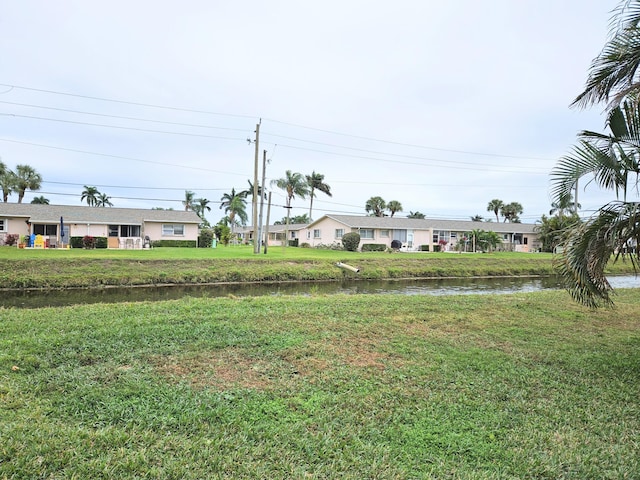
<point x="98" y="268"/>
<point x="509" y="386"/>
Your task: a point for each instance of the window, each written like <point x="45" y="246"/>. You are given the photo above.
<point x="40" y="229"/>
<point x="113" y="230"/>
<point x="172" y="230"/>
<point x="293" y="235"/>
<point x="128" y="230"/>
<point x="317" y="233"/>
<point x="339" y="232"/>
<point x="366" y="233"/>
<point x="3" y="225"/>
<point x="439" y="235"/>
<point x="384" y="233"/>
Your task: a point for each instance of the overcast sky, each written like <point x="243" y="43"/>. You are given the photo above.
<point x="441" y="105"/>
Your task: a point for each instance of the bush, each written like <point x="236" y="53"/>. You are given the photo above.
<point x="75" y="242"/>
<point x="174" y="243"/>
<point x="11" y="239"/>
<point x="101" y="242"/>
<point x="374" y="247"/>
<point x="205" y="239"/>
<point x="88" y="242"/>
<point x="436" y="248"/>
<point x="424" y="248"/>
<point x="350" y="241"/>
<point x="305" y="245"/>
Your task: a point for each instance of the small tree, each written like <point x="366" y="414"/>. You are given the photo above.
<point x="351" y="241"/>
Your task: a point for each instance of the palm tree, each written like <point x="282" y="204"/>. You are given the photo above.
<point x="477" y="218"/>
<point x="564" y="206"/>
<point x="189" y="198"/>
<point x="90" y="194"/>
<point x="394" y="206"/>
<point x="511" y="212"/>
<point x="7" y="181"/>
<point x="249" y="191"/>
<point x="293" y="183"/>
<point x="316" y="182"/>
<point x="40" y="200"/>
<point x="416" y="215"/>
<point x="375" y="206"/>
<point x="234" y="205"/>
<point x="103" y="200"/>
<point x="611" y="160"/>
<point x="26" y="178"/>
<point x="200" y="207"/>
<point x="495" y="206"/>
<point x="614" y="72"/>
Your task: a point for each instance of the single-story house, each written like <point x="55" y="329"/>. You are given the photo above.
<point x="277" y="233"/>
<point x="123" y="227"/>
<point x="413" y="233"/>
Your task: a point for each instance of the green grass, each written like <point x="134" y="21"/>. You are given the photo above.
<point x="20" y="268"/>
<point x="468" y="387"/>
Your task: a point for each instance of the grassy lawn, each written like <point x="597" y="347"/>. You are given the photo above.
<point x="20" y="268"/>
<point x="469" y="387"/>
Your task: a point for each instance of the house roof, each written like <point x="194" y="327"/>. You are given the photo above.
<point x="359" y="221"/>
<point x="36" y="213"/>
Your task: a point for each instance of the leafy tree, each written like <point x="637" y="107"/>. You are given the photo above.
<point x="614" y="72"/>
<point x="495" y="206"/>
<point x="90" y="194"/>
<point x="298" y="219"/>
<point x="418" y="215"/>
<point x="26" y="178"/>
<point x="316" y="182"/>
<point x="485" y="241"/>
<point x="551" y="230"/>
<point x="293" y="184"/>
<point x="189" y="199"/>
<point x="234" y="204"/>
<point x="511" y="212"/>
<point x="223" y="233"/>
<point x="477" y="218"/>
<point x="103" y="200"/>
<point x="394" y="206"/>
<point x="376" y="206"/>
<point x="40" y="200"/>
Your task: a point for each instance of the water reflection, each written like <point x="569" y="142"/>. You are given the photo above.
<point x="466" y="286"/>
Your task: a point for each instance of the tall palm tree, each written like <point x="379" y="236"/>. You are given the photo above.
<point x="394" y="206"/>
<point x="416" y="215"/>
<point x="495" y="206"/>
<point x="564" y="206"/>
<point x="7" y="181"/>
<point x="316" y="182"/>
<point x="293" y="183"/>
<point x="201" y="206"/>
<point x="189" y="198"/>
<point x="375" y="206"/>
<point x="90" y="194"/>
<point x="26" y="178"/>
<point x="40" y="200"/>
<point x="612" y="161"/>
<point x="249" y="191"/>
<point x="103" y="200"/>
<point x="614" y="72"/>
<point x="234" y="204"/>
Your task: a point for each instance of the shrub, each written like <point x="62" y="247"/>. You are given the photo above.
<point x="436" y="248"/>
<point x="305" y="245"/>
<point x="374" y="247"/>
<point x="174" y="243"/>
<point x="11" y="239"/>
<point x="101" y="242"/>
<point x="75" y="242"/>
<point x="350" y="241"/>
<point x="424" y="248"/>
<point x="205" y="239"/>
<point x="88" y="242"/>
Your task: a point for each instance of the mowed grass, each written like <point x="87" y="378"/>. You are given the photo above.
<point x="77" y="268"/>
<point x="466" y="387"/>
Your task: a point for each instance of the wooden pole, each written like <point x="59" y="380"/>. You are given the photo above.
<point x="266" y="236"/>
<point x="254" y="202"/>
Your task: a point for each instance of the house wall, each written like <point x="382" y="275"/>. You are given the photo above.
<point x="154" y="231"/>
<point x="327" y="229"/>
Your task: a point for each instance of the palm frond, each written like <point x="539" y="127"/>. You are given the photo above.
<point x="588" y="247"/>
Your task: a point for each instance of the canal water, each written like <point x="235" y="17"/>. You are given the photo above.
<point x="448" y="286"/>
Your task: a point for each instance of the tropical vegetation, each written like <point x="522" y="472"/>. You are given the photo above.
<point x="315" y="182"/>
<point x="23" y="178"/>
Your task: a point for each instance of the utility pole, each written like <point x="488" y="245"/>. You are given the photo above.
<point x="266" y="239"/>
<point x="254" y="203"/>
<point x="262" y="190"/>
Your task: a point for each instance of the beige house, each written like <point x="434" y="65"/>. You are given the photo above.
<point x="123" y="227"/>
<point x="412" y="234"/>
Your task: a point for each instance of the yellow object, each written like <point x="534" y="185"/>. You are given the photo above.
<point x="39" y="242"/>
